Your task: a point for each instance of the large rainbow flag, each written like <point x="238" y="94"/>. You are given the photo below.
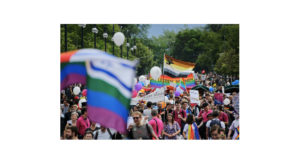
<point x="109" y="82"/>
<point x="189" y="81"/>
<point x="177" y="68"/>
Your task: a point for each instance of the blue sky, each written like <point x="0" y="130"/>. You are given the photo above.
<point x="158" y="29"/>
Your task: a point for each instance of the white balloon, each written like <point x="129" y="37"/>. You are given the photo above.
<point x="76" y="90"/>
<point x="226" y="101"/>
<point x="142" y="78"/>
<point x="155" y="72"/>
<point x="118" y="38"/>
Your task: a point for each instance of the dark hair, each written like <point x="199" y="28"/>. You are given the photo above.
<point x="73" y="130"/>
<point x="89" y="132"/>
<point x="189" y="119"/>
<point x="149" y="104"/>
<point x="220" y="108"/>
<point x="204" y="105"/>
<point x="153" y="112"/>
<point x="209" y="115"/>
<point x="170" y="114"/>
<point x="83" y="104"/>
<point x="215" y="113"/>
<point x="83" y="110"/>
<point x="177" y="102"/>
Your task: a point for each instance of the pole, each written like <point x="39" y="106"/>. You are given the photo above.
<point x="94" y="40"/>
<point x="134" y="45"/>
<point x="121" y="51"/>
<point x="66" y="38"/>
<point x="105" y="43"/>
<point x="127" y="48"/>
<point x="113" y="43"/>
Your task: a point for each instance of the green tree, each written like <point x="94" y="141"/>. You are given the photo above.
<point x="228" y="63"/>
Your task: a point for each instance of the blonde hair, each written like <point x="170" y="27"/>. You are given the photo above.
<point x="74" y="113"/>
<point x="137" y="113"/>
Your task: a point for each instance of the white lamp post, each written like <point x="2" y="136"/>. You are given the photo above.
<point x="95" y="31"/>
<point x="105" y="35"/>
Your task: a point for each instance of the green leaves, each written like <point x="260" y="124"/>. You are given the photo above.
<point x="214" y="47"/>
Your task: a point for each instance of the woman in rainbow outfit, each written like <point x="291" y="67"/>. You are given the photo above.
<point x="190" y="130"/>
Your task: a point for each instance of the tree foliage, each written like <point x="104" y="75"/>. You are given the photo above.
<point x="214" y="47"/>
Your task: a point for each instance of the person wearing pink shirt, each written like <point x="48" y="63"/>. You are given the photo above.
<point x="203" y="115"/>
<point x="157" y="124"/>
<point x="222" y="115"/>
<point x="82" y="123"/>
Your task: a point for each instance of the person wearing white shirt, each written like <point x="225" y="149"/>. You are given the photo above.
<point x="214" y="121"/>
<point x="147" y="112"/>
<point x="103" y="133"/>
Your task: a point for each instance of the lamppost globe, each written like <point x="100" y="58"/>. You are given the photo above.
<point x="82" y="25"/>
<point x="127" y="44"/>
<point x="105" y="35"/>
<point x="134" y="47"/>
<point x="118" y="38"/>
<point x="131" y="48"/>
<point x="95" y="30"/>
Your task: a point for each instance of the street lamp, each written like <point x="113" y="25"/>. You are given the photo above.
<point x="95" y="31"/>
<point x="128" y="45"/>
<point x="105" y="35"/>
<point x="82" y="27"/>
<point x="119" y="39"/>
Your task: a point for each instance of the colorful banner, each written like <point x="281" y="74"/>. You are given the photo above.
<point x="167" y="80"/>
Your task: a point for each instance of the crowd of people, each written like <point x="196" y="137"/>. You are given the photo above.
<point x="175" y="118"/>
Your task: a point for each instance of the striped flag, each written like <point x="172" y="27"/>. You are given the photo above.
<point x="167" y="80"/>
<point x="177" y="68"/>
<point x="193" y="134"/>
<point x="71" y="73"/>
<point x="237" y="130"/>
<point x="109" y="82"/>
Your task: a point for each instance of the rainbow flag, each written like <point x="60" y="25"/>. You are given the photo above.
<point x="109" y="82"/>
<point x="189" y="81"/>
<point x="182" y="85"/>
<point x="193" y="134"/>
<point x="238" y="133"/>
<point x="177" y="68"/>
<point x="71" y="73"/>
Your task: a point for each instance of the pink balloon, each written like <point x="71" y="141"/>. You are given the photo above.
<point x="134" y="93"/>
<point x="84" y="92"/>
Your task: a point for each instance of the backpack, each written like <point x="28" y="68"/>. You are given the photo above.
<point x="215" y="122"/>
<point x="212" y="123"/>
<point x="108" y="130"/>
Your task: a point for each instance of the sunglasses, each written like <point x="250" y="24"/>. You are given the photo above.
<point x="135" y="118"/>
